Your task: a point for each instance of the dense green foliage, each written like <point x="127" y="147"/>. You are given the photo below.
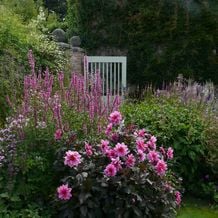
<point x="58" y="6"/>
<point x="187" y="129"/>
<point x="16" y="38"/>
<point x="56" y="117"/>
<point x="162" y="38"/>
<point x="28" y="9"/>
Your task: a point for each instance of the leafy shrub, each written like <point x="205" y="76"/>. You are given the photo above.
<point x="184" y="127"/>
<point x="32" y="210"/>
<point x="51" y="110"/>
<point x="212" y="141"/>
<point x="124" y="175"/>
<point x="16" y="38"/>
<point x="27" y="9"/>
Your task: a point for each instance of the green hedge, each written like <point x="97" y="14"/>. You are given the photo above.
<point x="163" y="38"/>
<point x="186" y="129"/>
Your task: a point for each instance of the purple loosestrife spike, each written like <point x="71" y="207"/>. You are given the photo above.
<point x="61" y="76"/>
<point x="9" y="102"/>
<point x="31" y="61"/>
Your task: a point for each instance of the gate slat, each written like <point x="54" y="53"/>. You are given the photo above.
<point x="112" y="70"/>
<point x="103" y="77"/>
<point x="118" y="79"/>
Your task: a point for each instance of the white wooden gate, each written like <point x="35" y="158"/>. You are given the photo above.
<point x="112" y="70"/>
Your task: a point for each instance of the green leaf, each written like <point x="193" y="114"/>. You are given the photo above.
<point x="15" y="198"/>
<point x="192" y="155"/>
<point x="137" y="211"/>
<point x="84" y="211"/>
<point x="4" y="195"/>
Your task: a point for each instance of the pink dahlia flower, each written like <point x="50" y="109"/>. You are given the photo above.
<point x="162" y="150"/>
<point x="115" y="117"/>
<point x="153" y="139"/>
<point x="140" y="133"/>
<point x="153" y="157"/>
<point x="121" y="149"/>
<point x="72" y="158"/>
<point x="110" y="170"/>
<point x="104" y="146"/>
<point x="140" y="145"/>
<point x="109" y="129"/>
<point x="151" y="145"/>
<point x="88" y="149"/>
<point x="64" y="192"/>
<point x="130" y="161"/>
<point x="161" y="167"/>
<point x="111" y="153"/>
<point x="141" y="155"/>
<point x="58" y="134"/>
<point x="170" y="153"/>
<point x="168" y="187"/>
<point x="115" y="137"/>
<point x="178" y="197"/>
<point x="117" y="163"/>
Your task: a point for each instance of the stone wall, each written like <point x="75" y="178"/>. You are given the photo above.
<point x="73" y="52"/>
<point x="76" y="59"/>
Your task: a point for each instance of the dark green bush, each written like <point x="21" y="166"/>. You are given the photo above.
<point x="163" y="38"/>
<point x="185" y="128"/>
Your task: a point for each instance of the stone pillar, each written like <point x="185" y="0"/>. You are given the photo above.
<point x="73" y="52"/>
<point x="77" y="56"/>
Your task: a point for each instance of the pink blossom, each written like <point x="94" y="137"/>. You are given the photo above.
<point x="153" y="157"/>
<point x="178" y="197"/>
<point x="115" y="137"/>
<point x="117" y="163"/>
<point x="130" y="161"/>
<point x="168" y="187"/>
<point x="170" y="153"/>
<point x="104" y="146"/>
<point x="64" y="192"/>
<point x="141" y="155"/>
<point x="121" y="149"/>
<point x="60" y="76"/>
<point x="88" y="149"/>
<point x="140" y="133"/>
<point x="161" y="167"/>
<point x="58" y="134"/>
<point x="115" y="117"/>
<point x="72" y="158"/>
<point x="109" y="129"/>
<point x="110" y="170"/>
<point x="152" y="142"/>
<point x="111" y="153"/>
<point x="140" y="144"/>
<point x="153" y="139"/>
<point x="151" y="145"/>
<point x="162" y="150"/>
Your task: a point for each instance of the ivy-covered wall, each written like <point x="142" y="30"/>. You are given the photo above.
<point x="163" y="37"/>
